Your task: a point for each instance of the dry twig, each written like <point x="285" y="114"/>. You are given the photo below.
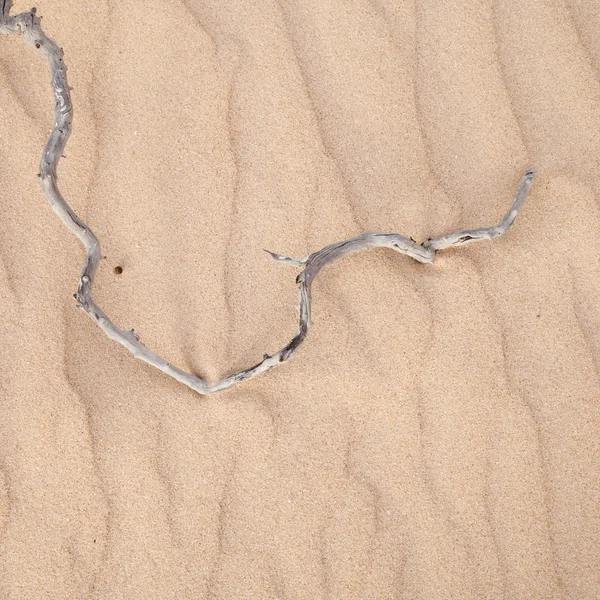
<point x="28" y="24"/>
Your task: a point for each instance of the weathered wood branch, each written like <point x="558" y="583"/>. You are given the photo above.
<point x="28" y="24"/>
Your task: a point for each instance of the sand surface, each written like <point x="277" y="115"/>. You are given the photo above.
<point x="438" y="435"/>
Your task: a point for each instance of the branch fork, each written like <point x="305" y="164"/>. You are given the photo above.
<point x="28" y="24"/>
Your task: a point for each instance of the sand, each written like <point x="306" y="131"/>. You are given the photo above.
<point x="437" y="436"/>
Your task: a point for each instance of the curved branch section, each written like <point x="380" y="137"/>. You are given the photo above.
<point x="28" y="24"/>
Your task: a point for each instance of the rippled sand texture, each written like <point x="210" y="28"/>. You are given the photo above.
<point x="438" y="436"/>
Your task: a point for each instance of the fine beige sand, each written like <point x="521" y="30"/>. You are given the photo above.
<point x="437" y="436"/>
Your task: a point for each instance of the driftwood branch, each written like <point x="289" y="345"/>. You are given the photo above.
<point x="28" y="24"/>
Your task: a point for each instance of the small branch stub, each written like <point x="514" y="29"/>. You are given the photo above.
<point x="28" y="24"/>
